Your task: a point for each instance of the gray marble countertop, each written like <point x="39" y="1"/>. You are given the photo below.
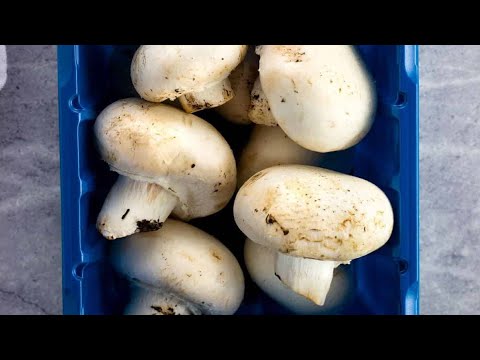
<point x="30" y="243"/>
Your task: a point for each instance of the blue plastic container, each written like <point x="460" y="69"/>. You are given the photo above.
<point x="385" y="282"/>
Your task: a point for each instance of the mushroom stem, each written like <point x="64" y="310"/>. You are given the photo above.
<point x="134" y="206"/>
<point x="308" y="277"/>
<point x="213" y="96"/>
<point x="260" y="112"/>
<point x="145" y="301"/>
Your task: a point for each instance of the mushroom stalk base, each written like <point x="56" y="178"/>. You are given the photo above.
<point x="146" y="301"/>
<point x="213" y="96"/>
<point x="308" y="277"/>
<point x="134" y="206"/>
<point x="260" y="112"/>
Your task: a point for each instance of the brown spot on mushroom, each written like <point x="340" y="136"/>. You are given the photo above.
<point x="164" y="311"/>
<point x="110" y="157"/>
<point x="270" y="219"/>
<point x="216" y="255"/>
<point x="126" y="213"/>
<point x="293" y="53"/>
<point x="192" y="166"/>
<point x="196" y="106"/>
<point x="148" y="225"/>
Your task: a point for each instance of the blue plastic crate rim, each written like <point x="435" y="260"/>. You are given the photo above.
<point x="385" y="282"/>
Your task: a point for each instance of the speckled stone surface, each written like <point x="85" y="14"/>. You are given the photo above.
<point x="450" y="185"/>
<point x="30" y="245"/>
<point x="30" y="257"/>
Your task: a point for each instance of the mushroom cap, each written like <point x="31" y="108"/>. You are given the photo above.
<point x="313" y="213"/>
<point x="161" y="72"/>
<point x="242" y="80"/>
<point x="149" y="301"/>
<point x="269" y="146"/>
<point x="185" y="261"/>
<point x="160" y="144"/>
<point x="260" y="263"/>
<point x="322" y="96"/>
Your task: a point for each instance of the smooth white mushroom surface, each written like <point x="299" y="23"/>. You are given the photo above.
<point x="315" y="219"/>
<point x="168" y="161"/>
<point x="179" y="269"/>
<point x="322" y="96"/>
<point x="196" y="74"/>
<point x="269" y="146"/>
<point x="242" y="80"/>
<point x="260" y="263"/>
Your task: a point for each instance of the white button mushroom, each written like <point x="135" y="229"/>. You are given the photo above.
<point x="322" y="96"/>
<point x="242" y="80"/>
<point x="196" y="74"/>
<point x="167" y="160"/>
<point x="269" y="146"/>
<point x="315" y="219"/>
<point x="260" y="112"/>
<point x="260" y="263"/>
<point x="179" y="269"/>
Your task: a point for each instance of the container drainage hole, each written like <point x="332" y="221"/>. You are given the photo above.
<point x="77" y="270"/>
<point x="74" y="104"/>
<point x="401" y="99"/>
<point x="402" y="266"/>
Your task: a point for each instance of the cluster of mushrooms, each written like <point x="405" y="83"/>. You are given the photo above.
<point x="301" y="221"/>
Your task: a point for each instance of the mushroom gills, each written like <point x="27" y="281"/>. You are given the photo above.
<point x="307" y="277"/>
<point x="149" y="301"/>
<point x="213" y="96"/>
<point x="134" y="206"/>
